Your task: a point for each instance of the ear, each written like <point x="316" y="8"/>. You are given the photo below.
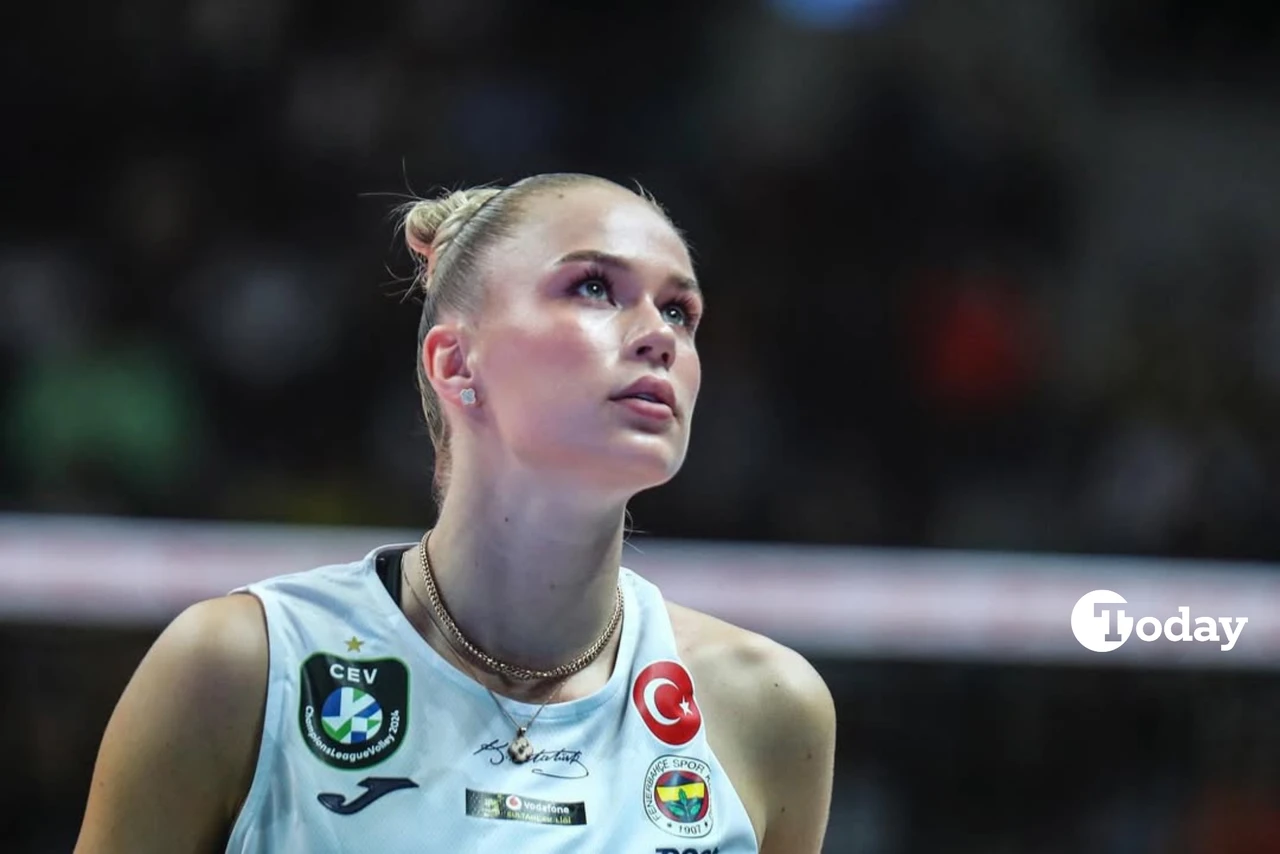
<point x="444" y="360"/>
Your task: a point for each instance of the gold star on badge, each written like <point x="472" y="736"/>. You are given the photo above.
<point x="354" y="644"/>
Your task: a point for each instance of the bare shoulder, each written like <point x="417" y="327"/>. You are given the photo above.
<point x="228" y="633"/>
<point x="179" y="751"/>
<point x="216" y="651"/>
<point x="743" y="666"/>
<point x="777" y="724"/>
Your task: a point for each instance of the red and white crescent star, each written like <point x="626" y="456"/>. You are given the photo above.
<point x="651" y="705"/>
<point x="663" y="695"/>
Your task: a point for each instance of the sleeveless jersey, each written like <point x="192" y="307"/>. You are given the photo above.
<point x="374" y="742"/>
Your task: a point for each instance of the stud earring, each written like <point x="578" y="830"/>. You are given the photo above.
<point x="468" y="397"/>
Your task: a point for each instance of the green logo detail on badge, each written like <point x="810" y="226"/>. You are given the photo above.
<point x="353" y="713"/>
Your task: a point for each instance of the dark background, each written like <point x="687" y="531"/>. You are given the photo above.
<point x="998" y="275"/>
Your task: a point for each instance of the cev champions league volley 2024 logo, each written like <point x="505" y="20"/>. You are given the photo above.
<point x="1100" y="624"/>
<point x="353" y="713"/>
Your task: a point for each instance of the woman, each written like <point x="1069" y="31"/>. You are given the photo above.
<point x="502" y="685"/>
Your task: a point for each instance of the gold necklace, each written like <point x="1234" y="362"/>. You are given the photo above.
<point x="493" y="665"/>
<point x="520" y="749"/>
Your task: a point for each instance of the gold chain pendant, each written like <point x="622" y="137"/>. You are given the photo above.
<point x="520" y="749"/>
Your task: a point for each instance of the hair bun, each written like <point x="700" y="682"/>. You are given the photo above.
<point x="430" y="224"/>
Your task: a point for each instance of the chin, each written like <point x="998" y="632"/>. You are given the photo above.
<point x="624" y="464"/>
<point x="645" y="468"/>
<point x="635" y="464"/>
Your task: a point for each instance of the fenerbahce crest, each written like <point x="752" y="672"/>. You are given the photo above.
<point x="353" y="713"/>
<point x="677" y="796"/>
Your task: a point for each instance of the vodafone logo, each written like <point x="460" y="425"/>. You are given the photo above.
<point x="663" y="694"/>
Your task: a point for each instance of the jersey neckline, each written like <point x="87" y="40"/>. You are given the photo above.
<point x="568" y="711"/>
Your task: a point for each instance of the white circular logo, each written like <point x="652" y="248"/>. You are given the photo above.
<point x="514" y="802"/>
<point x="1098" y="627"/>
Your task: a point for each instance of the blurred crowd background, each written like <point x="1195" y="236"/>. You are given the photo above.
<point x="980" y="274"/>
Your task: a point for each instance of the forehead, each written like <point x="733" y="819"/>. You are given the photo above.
<point x="600" y="217"/>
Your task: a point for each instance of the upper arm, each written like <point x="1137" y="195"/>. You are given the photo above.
<point x="779" y="727"/>
<point x="179" y="751"/>
<point x="798" y="738"/>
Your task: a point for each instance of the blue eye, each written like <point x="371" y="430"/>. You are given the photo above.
<point x="596" y="286"/>
<point x="593" y="288"/>
<point x="683" y="312"/>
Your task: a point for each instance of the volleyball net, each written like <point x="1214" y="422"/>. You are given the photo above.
<point x="829" y="601"/>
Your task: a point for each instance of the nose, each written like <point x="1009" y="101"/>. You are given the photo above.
<point x="655" y="341"/>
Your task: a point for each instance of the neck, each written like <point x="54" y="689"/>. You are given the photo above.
<point x="527" y="576"/>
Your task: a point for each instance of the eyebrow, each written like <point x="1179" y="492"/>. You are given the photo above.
<point x="605" y="259"/>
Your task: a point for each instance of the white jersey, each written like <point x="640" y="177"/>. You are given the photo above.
<point x="374" y="742"/>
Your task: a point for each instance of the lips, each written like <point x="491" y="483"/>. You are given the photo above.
<point x="650" y="389"/>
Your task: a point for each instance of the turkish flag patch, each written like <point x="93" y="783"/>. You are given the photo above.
<point x="663" y="695"/>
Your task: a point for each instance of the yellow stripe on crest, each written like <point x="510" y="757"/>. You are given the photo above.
<point x="692" y="791"/>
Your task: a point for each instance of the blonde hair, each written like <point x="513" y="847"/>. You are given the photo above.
<point x="448" y="236"/>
